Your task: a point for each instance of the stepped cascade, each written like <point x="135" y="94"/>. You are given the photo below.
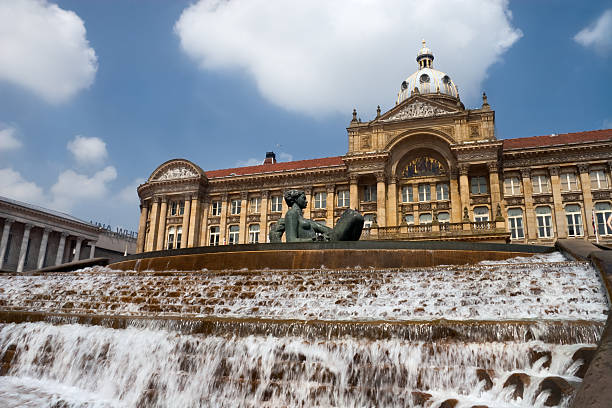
<point x="513" y="333"/>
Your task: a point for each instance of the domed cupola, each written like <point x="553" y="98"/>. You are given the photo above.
<point x="427" y="80"/>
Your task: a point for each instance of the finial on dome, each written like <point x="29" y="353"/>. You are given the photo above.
<point x="423" y="42"/>
<point x="425" y="57"/>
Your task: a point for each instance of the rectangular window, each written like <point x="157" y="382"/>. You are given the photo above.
<point x="515" y="223"/>
<point x="170" y="244"/>
<point x="344" y="198"/>
<point x="234" y="234"/>
<point x="369" y="193"/>
<point x="478" y="185"/>
<point x="541" y="184"/>
<point x="181" y="208"/>
<point x="214" y="236"/>
<point x="442" y="191"/>
<point x="407" y="194"/>
<point x="254" y="233"/>
<point x="320" y="200"/>
<point x="236" y="207"/>
<point x="598" y="180"/>
<point x="544" y="220"/>
<point x="215" y="208"/>
<point x="368" y="220"/>
<point x="254" y="204"/>
<point x="276" y="203"/>
<point x="569" y="182"/>
<point x="173" y="208"/>
<point x="512" y="186"/>
<point x="424" y="192"/>
<point x="603" y="218"/>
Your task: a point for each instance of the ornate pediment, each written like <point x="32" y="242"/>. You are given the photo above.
<point x="179" y="172"/>
<point x="417" y="109"/>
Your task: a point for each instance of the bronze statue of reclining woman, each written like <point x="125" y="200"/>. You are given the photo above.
<point x="298" y="229"/>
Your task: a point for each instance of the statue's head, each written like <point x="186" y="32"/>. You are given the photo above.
<point x="295" y="196"/>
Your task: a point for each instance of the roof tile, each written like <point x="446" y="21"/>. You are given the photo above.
<point x="558" y="140"/>
<point x="277" y="167"/>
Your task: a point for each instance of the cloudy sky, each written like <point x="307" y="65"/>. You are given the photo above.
<point x="95" y="95"/>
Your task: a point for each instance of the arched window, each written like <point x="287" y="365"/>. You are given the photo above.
<point x="544" y="219"/>
<point x="481" y="214"/>
<point x="170" y="241"/>
<point x="443" y="216"/>
<point x="214" y="236"/>
<point x="515" y="223"/>
<point x="409" y="218"/>
<point x="234" y="234"/>
<point x="425" y="218"/>
<point x="603" y="215"/>
<point x="574" y="220"/>
<point x="423" y="166"/>
<point x="254" y="233"/>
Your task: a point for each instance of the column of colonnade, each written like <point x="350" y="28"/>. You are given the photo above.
<point x="41" y="251"/>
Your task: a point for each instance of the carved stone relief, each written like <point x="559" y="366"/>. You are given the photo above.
<point x="542" y="199"/>
<point x="417" y="110"/>
<point x="571" y="196"/>
<point x="601" y="195"/>
<point x="177" y="173"/>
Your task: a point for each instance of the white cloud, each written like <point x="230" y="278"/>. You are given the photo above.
<point x="128" y="194"/>
<point x="598" y="34"/>
<point x="249" y="162"/>
<point x="13" y="185"/>
<point x="8" y="141"/>
<point x="88" y="150"/>
<point x="323" y="56"/>
<point x="45" y="49"/>
<point x="72" y="188"/>
<point x="285" y="157"/>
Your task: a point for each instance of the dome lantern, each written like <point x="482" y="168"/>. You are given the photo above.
<point x="425" y="57"/>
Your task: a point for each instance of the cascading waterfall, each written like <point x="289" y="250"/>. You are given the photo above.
<point x="515" y="335"/>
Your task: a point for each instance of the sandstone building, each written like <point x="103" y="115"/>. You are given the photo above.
<point x="32" y="237"/>
<point x="427" y="169"/>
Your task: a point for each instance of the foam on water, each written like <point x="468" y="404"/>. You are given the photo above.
<point x="89" y="366"/>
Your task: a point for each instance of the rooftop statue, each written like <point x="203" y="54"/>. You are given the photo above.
<point x="299" y="229"/>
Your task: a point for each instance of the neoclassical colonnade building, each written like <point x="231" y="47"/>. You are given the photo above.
<point x="427" y="169"/>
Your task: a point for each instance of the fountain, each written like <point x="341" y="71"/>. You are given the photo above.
<point x="508" y="332"/>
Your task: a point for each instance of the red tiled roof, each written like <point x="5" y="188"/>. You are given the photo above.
<point x="276" y="167"/>
<point x="560" y="139"/>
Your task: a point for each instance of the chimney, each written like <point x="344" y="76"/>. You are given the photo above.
<point x="270" y="158"/>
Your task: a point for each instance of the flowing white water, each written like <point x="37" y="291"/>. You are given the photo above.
<point x="539" y="291"/>
<point x="197" y="339"/>
<point x="94" y="366"/>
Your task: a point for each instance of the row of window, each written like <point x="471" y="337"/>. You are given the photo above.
<point x="569" y="182"/>
<point x="424" y="192"/>
<point x="573" y="215"/>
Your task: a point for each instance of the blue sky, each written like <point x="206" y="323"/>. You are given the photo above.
<point x="95" y="94"/>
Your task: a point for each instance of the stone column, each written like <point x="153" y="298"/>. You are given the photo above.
<point x="330" y="205"/>
<point x="152" y="235"/>
<point x="92" y="249"/>
<point x="354" y="191"/>
<point x="381" y="202"/>
<point x="223" y="221"/>
<point x="560" y="220"/>
<point x="186" y="216"/>
<point x="583" y="168"/>
<point x="23" y="249"/>
<point x="4" y="242"/>
<point x="392" y="201"/>
<point x="308" y="192"/>
<point x="142" y="228"/>
<point x="263" y="217"/>
<point x="77" y="249"/>
<point x="59" y="257"/>
<point x="204" y="230"/>
<point x="194" y="222"/>
<point x="161" y="231"/>
<point x="42" y="250"/>
<point x="495" y="189"/>
<point x="455" y="198"/>
<point x="464" y="187"/>
<point x="242" y="238"/>
<point x="530" y="220"/>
